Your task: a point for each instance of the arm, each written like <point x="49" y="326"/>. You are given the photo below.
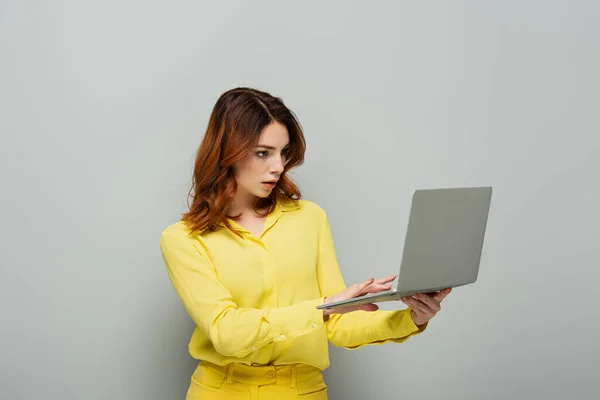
<point x="359" y="328"/>
<point x="233" y="331"/>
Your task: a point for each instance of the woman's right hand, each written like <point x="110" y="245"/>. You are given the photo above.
<point x="359" y="289"/>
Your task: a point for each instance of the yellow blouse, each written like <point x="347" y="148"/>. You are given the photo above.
<point x="254" y="299"/>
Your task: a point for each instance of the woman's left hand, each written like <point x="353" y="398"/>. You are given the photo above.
<point x="425" y="306"/>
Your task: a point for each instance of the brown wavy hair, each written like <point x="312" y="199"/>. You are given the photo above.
<point x="236" y="122"/>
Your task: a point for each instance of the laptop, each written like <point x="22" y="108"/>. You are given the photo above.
<point x="443" y="243"/>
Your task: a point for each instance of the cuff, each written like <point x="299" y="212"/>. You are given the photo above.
<point x="296" y="320"/>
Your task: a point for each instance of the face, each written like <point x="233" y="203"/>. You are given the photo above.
<point x="259" y="172"/>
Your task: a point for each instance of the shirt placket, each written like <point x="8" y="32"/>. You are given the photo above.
<point x="270" y="272"/>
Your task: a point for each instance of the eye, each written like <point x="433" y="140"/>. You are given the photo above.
<point x="262" y="153"/>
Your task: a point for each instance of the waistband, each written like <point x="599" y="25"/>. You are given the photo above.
<point x="260" y="375"/>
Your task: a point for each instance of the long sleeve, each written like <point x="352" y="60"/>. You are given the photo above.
<point x="358" y="328"/>
<point x="233" y="331"/>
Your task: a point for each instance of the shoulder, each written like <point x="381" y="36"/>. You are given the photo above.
<point x="178" y="234"/>
<point x="310" y="207"/>
<point x="304" y="208"/>
<point x="176" y="229"/>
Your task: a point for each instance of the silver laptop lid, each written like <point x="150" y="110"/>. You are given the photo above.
<point x="444" y="238"/>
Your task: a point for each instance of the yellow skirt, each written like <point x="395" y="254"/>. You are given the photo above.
<point x="239" y="381"/>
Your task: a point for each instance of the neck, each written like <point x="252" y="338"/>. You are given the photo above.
<point x="243" y="203"/>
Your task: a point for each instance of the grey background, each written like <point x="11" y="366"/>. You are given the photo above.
<point x="102" y="105"/>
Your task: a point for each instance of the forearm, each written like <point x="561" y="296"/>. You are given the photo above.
<point x="237" y="332"/>
<point x="360" y="328"/>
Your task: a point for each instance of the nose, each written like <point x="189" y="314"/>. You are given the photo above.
<point x="277" y="166"/>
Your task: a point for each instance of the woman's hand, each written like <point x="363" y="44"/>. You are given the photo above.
<point x="425" y="306"/>
<point x="360" y="289"/>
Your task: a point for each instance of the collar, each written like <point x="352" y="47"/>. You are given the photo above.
<point x="287" y="205"/>
<point x="282" y="206"/>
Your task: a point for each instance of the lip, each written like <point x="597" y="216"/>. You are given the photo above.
<point x="270" y="184"/>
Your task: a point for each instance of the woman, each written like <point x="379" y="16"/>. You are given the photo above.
<point x="251" y="262"/>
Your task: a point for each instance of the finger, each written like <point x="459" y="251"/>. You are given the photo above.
<point x="362" y="307"/>
<point x="429" y="302"/>
<point x="386" y="279"/>
<point x="414" y="306"/>
<point x="441" y="295"/>
<point x="412" y="303"/>
<point x="358" y="288"/>
<point x="367" y="307"/>
<point x="376" y="288"/>
<point x="418" y="306"/>
<point x="406" y="301"/>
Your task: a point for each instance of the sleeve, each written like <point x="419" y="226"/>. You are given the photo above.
<point x="233" y="331"/>
<point x="359" y="328"/>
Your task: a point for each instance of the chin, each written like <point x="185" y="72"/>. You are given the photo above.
<point x="263" y="194"/>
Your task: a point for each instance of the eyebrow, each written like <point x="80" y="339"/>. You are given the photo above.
<point x="264" y="146"/>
